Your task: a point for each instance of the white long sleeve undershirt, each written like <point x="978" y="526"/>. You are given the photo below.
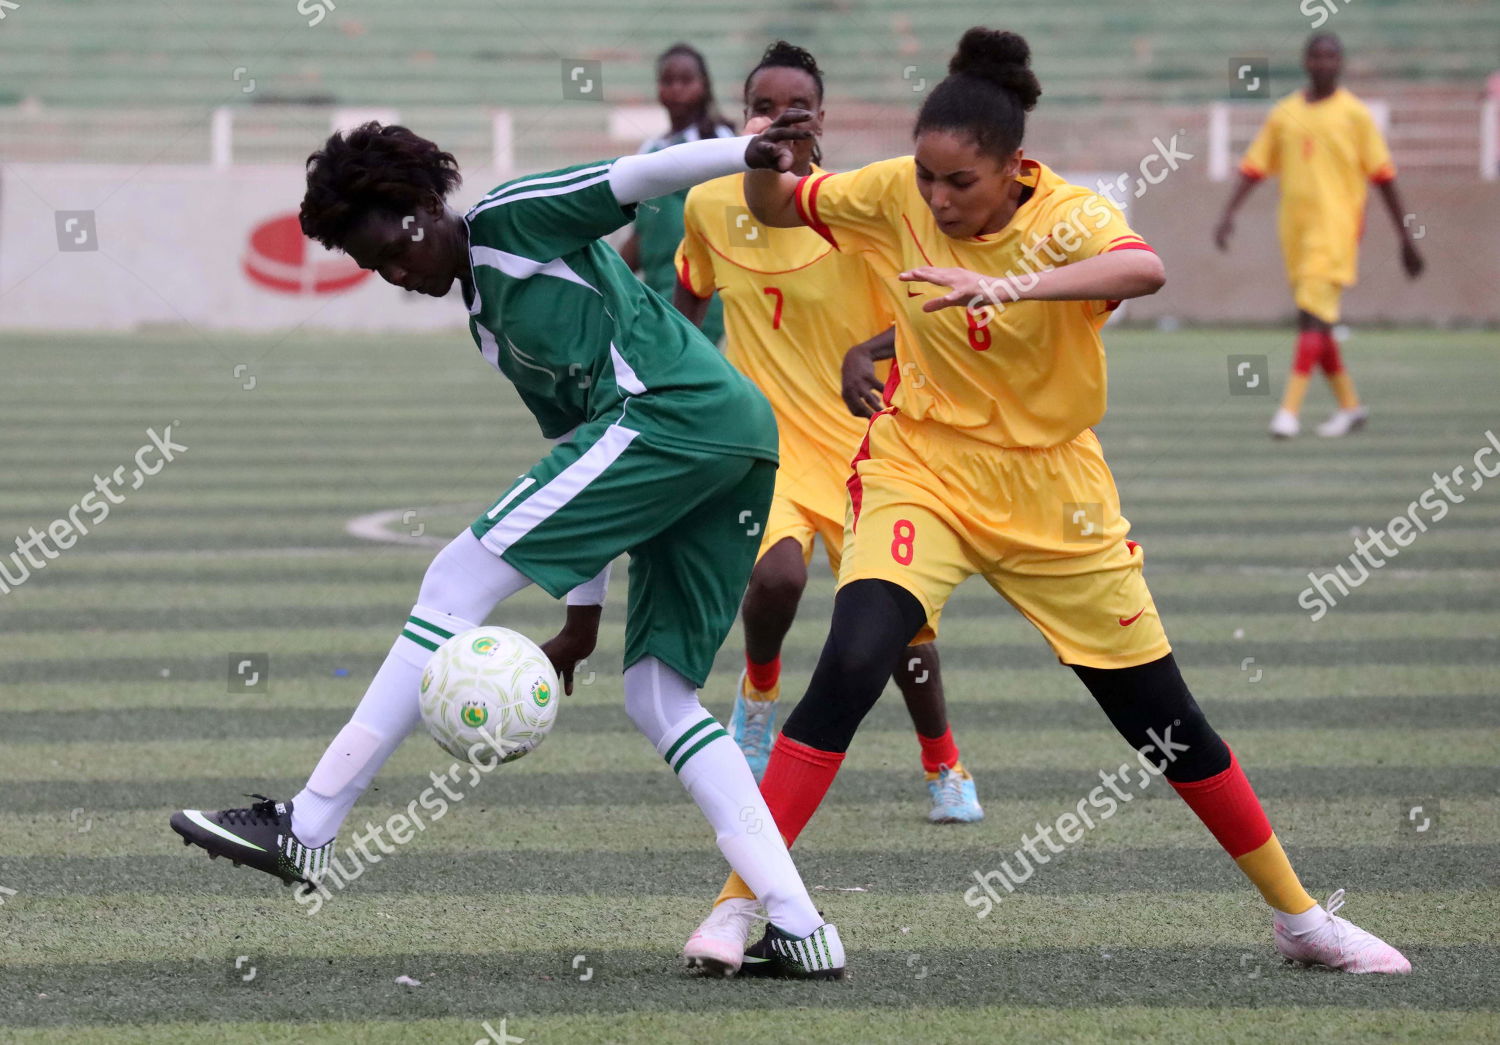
<point x="649" y="175"/>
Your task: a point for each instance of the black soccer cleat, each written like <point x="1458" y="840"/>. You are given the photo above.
<point x="817" y="956"/>
<point x="260" y="836"/>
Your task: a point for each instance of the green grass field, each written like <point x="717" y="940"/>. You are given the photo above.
<point x="556" y="895"/>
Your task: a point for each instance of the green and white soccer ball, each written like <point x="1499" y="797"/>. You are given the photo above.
<point x="489" y="694"/>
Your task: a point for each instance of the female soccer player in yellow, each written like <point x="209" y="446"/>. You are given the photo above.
<point x="989" y="465"/>
<point x="794" y="306"/>
<point x="1326" y="147"/>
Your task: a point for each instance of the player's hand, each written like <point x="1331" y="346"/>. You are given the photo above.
<point x="771" y="149"/>
<point x="574" y="642"/>
<point x="968" y="287"/>
<point x="756" y="124"/>
<point x="861" y="389"/>
<point x="1222" y="231"/>
<point x="1411" y="259"/>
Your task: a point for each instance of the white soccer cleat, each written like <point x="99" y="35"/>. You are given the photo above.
<point x="1285" y="425"/>
<point x="717" y="946"/>
<point x="1339" y="944"/>
<point x="1343" y="422"/>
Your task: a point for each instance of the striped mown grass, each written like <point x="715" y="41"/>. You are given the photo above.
<point x="116" y="707"/>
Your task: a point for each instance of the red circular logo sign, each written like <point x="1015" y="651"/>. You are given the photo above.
<point x="279" y="257"/>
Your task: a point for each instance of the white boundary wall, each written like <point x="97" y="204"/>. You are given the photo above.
<point x="137" y="246"/>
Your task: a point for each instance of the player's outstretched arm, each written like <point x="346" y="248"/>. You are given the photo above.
<point x="1114" y="276"/>
<point x="770" y="194"/>
<point x="646" y="176"/>
<point x="1411" y="258"/>
<point x="1225" y="228"/>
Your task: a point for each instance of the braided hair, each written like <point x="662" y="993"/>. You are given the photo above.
<point x="782" y="55"/>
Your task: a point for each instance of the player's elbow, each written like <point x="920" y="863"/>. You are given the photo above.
<point x="1150" y="274"/>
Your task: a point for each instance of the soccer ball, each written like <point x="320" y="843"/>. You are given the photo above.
<point x="489" y="695"/>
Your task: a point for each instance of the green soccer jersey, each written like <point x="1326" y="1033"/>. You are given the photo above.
<point x="581" y="338"/>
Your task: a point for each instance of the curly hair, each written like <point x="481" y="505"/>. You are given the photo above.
<point x="373" y="167"/>
<point x="988" y="92"/>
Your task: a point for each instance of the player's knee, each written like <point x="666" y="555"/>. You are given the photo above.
<point x="779" y="577"/>
<point x="444" y="578"/>
<point x="1187" y="748"/>
<point x="1153" y="710"/>
<point x="658" y="698"/>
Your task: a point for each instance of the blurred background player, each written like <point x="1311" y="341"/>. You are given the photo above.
<point x="686" y="92"/>
<point x="1325" y="145"/>
<point x="793" y="307"/>
<point x="980" y="467"/>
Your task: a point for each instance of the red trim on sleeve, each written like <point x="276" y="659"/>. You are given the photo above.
<point x="1252" y="172"/>
<point x="809" y="213"/>
<point x="685" y="279"/>
<point x="1387" y="173"/>
<point x="1132" y="243"/>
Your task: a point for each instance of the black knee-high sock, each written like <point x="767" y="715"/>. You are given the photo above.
<point x="873" y="620"/>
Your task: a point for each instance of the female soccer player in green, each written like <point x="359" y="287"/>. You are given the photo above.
<point x="664" y="452"/>
<point x="686" y="93"/>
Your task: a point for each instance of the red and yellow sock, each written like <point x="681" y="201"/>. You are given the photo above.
<point x="1310" y="350"/>
<point x="763" y="678"/>
<point x="1338" y="377"/>
<point x="937" y="752"/>
<point x="797" y="777"/>
<point x="1227" y="805"/>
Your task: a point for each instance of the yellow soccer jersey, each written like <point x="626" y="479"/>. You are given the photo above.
<point x="792" y="307"/>
<point x="1033" y="374"/>
<point x="1326" y="153"/>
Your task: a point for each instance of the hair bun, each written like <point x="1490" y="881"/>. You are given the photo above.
<point x="1003" y="58"/>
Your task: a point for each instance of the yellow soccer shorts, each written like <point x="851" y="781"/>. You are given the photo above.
<point x="930" y="507"/>
<point x="803" y="508"/>
<point x="1320" y="297"/>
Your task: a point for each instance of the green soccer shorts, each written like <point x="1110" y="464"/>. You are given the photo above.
<point x="691" y="520"/>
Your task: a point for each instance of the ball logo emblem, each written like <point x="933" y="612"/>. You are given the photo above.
<point x="484" y="646"/>
<point x="541" y="694"/>
<point x="474" y="715"/>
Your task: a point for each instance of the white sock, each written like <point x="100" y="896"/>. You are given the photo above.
<point x="1297" y="924"/>
<point x="466" y="579"/>
<point x="665" y="707"/>
<point x="384" y="718"/>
